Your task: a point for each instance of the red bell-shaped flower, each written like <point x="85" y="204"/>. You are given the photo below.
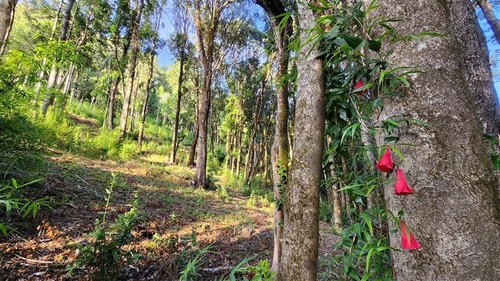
<point x="385" y="162"/>
<point x="358" y="85"/>
<point x="407" y="240"/>
<point x="401" y="187"/>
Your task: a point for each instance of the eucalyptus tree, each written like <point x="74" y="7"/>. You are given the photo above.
<point x="180" y="48"/>
<point x="119" y="42"/>
<point x="206" y="16"/>
<point x="157" y="15"/>
<point x="135" y="25"/>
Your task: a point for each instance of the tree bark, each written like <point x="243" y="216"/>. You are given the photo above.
<point x="205" y="32"/>
<point x="7" y="13"/>
<point x="280" y="148"/>
<point x="453" y="212"/>
<point x="472" y="46"/>
<point x="132" y="67"/>
<point x="490" y="17"/>
<point x="194" y="142"/>
<point x="301" y="201"/>
<point x="180" y="80"/>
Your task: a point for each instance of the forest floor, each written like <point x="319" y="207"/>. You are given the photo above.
<point x="175" y="221"/>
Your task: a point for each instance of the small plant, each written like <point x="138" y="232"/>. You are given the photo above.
<point x="13" y="201"/>
<point x="190" y="271"/>
<point x="257" y="201"/>
<point x="222" y="193"/>
<point x="262" y="271"/>
<point x="105" y="253"/>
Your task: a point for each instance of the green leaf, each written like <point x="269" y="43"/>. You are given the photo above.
<point x="353" y="41"/>
<point x="374" y="45"/>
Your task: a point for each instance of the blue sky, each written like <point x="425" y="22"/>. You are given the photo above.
<point x="165" y="58"/>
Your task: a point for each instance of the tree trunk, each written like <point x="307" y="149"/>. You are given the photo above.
<point x="301" y="200"/>
<point x="132" y="107"/>
<point x="280" y="148"/>
<point x="472" y="46"/>
<point x="453" y="212"/>
<point x="131" y="68"/>
<point x="194" y="142"/>
<point x="7" y="13"/>
<point x="148" y="86"/>
<point x="49" y="97"/>
<point x="255" y="123"/>
<point x="490" y="17"/>
<point x="52" y="34"/>
<point x="206" y="36"/>
<point x="178" y="107"/>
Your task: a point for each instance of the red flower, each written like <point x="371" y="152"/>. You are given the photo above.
<point x="385" y="162"/>
<point x="358" y="85"/>
<point x="401" y="187"/>
<point x="405" y="236"/>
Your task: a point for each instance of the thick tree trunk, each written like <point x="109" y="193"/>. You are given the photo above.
<point x="7" y="13"/>
<point x="280" y="148"/>
<point x="472" y="46"/>
<point x="49" y="97"/>
<point x="131" y="69"/>
<point x="301" y="200"/>
<point x="453" y="212"/>
<point x="178" y="107"/>
<point x="490" y="17"/>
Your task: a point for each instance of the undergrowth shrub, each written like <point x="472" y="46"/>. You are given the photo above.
<point x="13" y="201"/>
<point x="105" y="253"/>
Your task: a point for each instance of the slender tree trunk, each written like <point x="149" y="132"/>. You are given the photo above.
<point x="206" y="38"/>
<point x="132" y="107"/>
<point x="192" y="150"/>
<point x="7" y="13"/>
<point x="52" y="34"/>
<point x="49" y="97"/>
<point x="255" y="123"/>
<point x="148" y="86"/>
<point x="132" y="67"/>
<point x="453" y="211"/>
<point x="490" y="17"/>
<point x="238" y="157"/>
<point x="301" y="200"/>
<point x="228" y="150"/>
<point x="178" y="107"/>
<point x="280" y="148"/>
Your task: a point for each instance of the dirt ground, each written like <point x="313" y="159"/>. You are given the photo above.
<point x="175" y="221"/>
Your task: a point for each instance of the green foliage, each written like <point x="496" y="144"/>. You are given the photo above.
<point x="104" y="253"/>
<point x="495" y="150"/>
<point x="258" y="201"/>
<point x="325" y="214"/>
<point x="12" y="200"/>
<point x="222" y="193"/>
<point x="190" y="271"/>
<point x="262" y="272"/>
